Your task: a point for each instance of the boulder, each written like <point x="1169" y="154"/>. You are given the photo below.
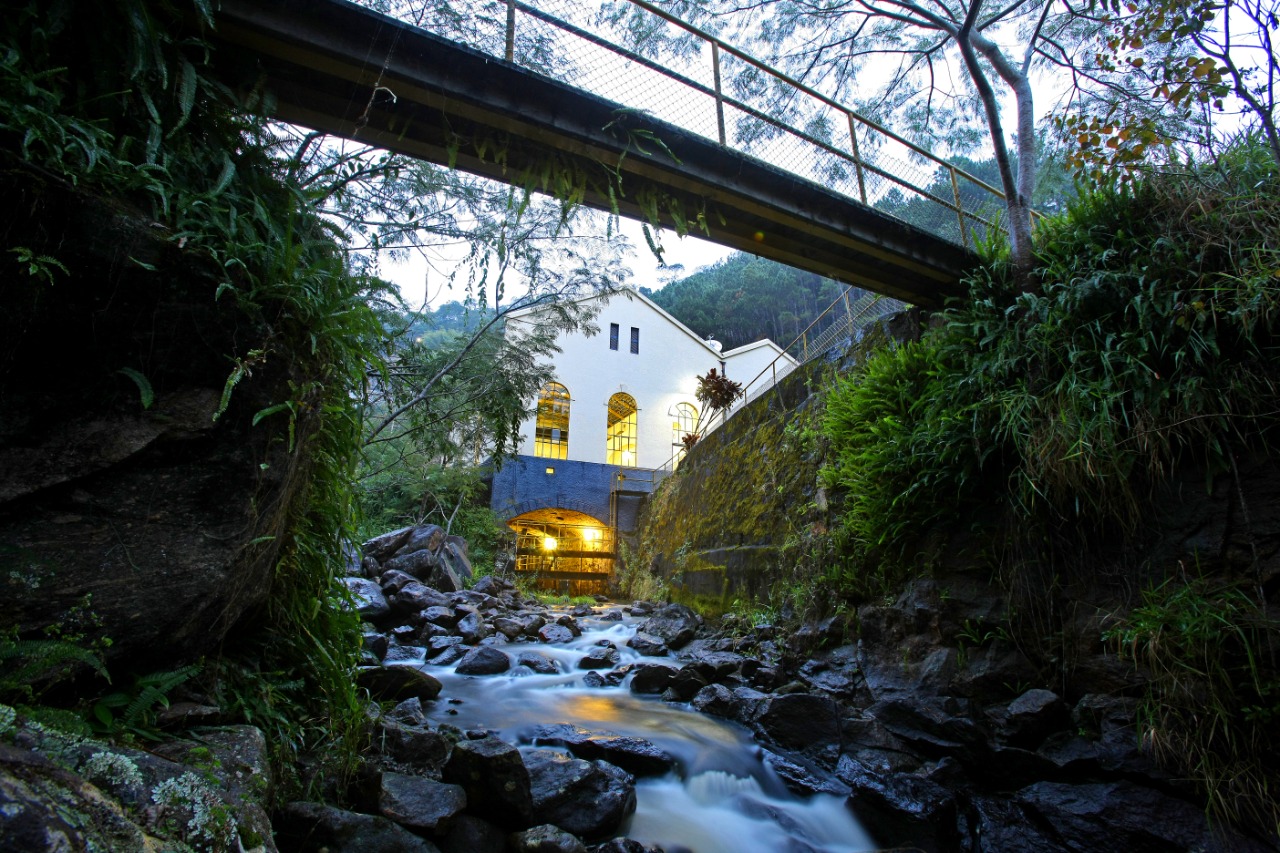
<point x="651" y="678"/>
<point x="568" y="622"/>
<point x="555" y="634"/>
<point x="913" y="811"/>
<point x="473" y="835"/>
<point x="799" y="720"/>
<point x="634" y="755"/>
<point x="648" y="644"/>
<point x="455" y="562"/>
<point x="1030" y="718"/>
<point x="419" y="802"/>
<point x="508" y="627"/>
<point x="419" y="564"/>
<point x="546" y="839"/>
<point x="495" y="779"/>
<point x="415" y="747"/>
<point x="588" y="798"/>
<point x="716" y="700"/>
<point x="676" y="625"/>
<point x="398" y="682"/>
<point x="313" y="826"/>
<point x="485" y="660"/>
<point x="409" y="713"/>
<point x="371" y="604"/>
<point x="599" y="657"/>
<point x="442" y="616"/>
<point x="414" y="597"/>
<point x="685" y="684"/>
<point x="472" y="627"/>
<point x="393" y="582"/>
<point x="384" y="547"/>
<point x="539" y="663"/>
<point x="424" y="537"/>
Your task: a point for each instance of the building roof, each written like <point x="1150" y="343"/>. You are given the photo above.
<point x="763" y="342"/>
<point x="629" y="292"/>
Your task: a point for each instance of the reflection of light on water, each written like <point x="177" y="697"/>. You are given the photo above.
<point x="596" y="708"/>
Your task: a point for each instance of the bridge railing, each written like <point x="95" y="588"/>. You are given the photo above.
<point x="635" y="54"/>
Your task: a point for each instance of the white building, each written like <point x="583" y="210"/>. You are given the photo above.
<point x="607" y="428"/>
<point x="627" y="395"/>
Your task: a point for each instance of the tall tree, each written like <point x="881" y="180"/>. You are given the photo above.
<point x="932" y="68"/>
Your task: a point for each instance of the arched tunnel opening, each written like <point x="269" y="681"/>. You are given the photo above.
<point x="564" y="551"/>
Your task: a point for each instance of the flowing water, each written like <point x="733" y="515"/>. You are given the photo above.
<point x="721" y="798"/>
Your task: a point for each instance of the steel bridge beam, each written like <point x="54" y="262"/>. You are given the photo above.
<point x="315" y="63"/>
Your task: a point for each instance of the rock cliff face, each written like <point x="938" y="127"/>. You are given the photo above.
<point x="123" y="503"/>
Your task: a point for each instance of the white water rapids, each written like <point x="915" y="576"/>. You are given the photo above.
<point x="721" y="798"/>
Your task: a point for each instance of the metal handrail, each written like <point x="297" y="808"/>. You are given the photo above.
<point x="871" y="130"/>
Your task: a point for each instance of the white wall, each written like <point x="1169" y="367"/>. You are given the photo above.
<point x="663" y="374"/>
<point x="745" y="364"/>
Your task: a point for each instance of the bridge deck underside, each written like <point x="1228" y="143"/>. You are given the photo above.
<point x="319" y="60"/>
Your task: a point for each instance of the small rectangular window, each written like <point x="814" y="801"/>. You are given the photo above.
<point x="635" y="340"/>
<point x="613" y="336"/>
<point x="551" y="470"/>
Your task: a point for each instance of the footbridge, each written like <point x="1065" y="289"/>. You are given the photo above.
<point x="637" y="114"/>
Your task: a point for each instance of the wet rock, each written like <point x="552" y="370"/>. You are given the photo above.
<point x="594" y="680"/>
<point x="676" y="625"/>
<point x="588" y="798"/>
<point x="371" y="604"/>
<point x="421" y="564"/>
<point x="448" y="656"/>
<point x="539" y="663"/>
<point x="716" y="700"/>
<point x="455" y="566"/>
<point x="424" y="537"/>
<point x="312" y="826"/>
<point x="495" y="778"/>
<point x="648" y="644"/>
<point x="409" y="712"/>
<point x="911" y="810"/>
<point x="611" y="616"/>
<point x="546" y="839"/>
<point x="485" y="660"/>
<point x="685" y="684"/>
<point x="555" y="634"/>
<point x="393" y="582"/>
<point x="472" y="628"/>
<point x="568" y="622"/>
<point x="1030" y="718"/>
<point x="404" y="655"/>
<point x="532" y="623"/>
<point x="442" y="616"/>
<point x="398" y="682"/>
<point x="634" y="755"/>
<point x="472" y="835"/>
<point x="652" y="678"/>
<point x="835" y="672"/>
<point x="580" y="610"/>
<point x="1124" y="816"/>
<point x="381" y="548"/>
<point x="599" y="657"/>
<point x="926" y="725"/>
<point x="804" y="777"/>
<point x="419" y="802"/>
<point x="799" y="720"/>
<point x="414" y="597"/>
<point x="718" y="665"/>
<point x="508" y="627"/>
<point x="642" y="608"/>
<point x="491" y="585"/>
<point x="421" y="749"/>
<point x="438" y="644"/>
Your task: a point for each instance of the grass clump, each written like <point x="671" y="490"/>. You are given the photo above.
<point x="1150" y="341"/>
<point x="1214" y="692"/>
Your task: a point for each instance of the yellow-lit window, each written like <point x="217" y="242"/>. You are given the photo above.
<point x="551" y="434"/>
<point x="684" y="421"/>
<point x="622" y="431"/>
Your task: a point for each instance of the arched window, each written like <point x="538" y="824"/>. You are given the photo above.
<point x="551" y="434"/>
<point x="622" y="431"/>
<point x="684" y="420"/>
